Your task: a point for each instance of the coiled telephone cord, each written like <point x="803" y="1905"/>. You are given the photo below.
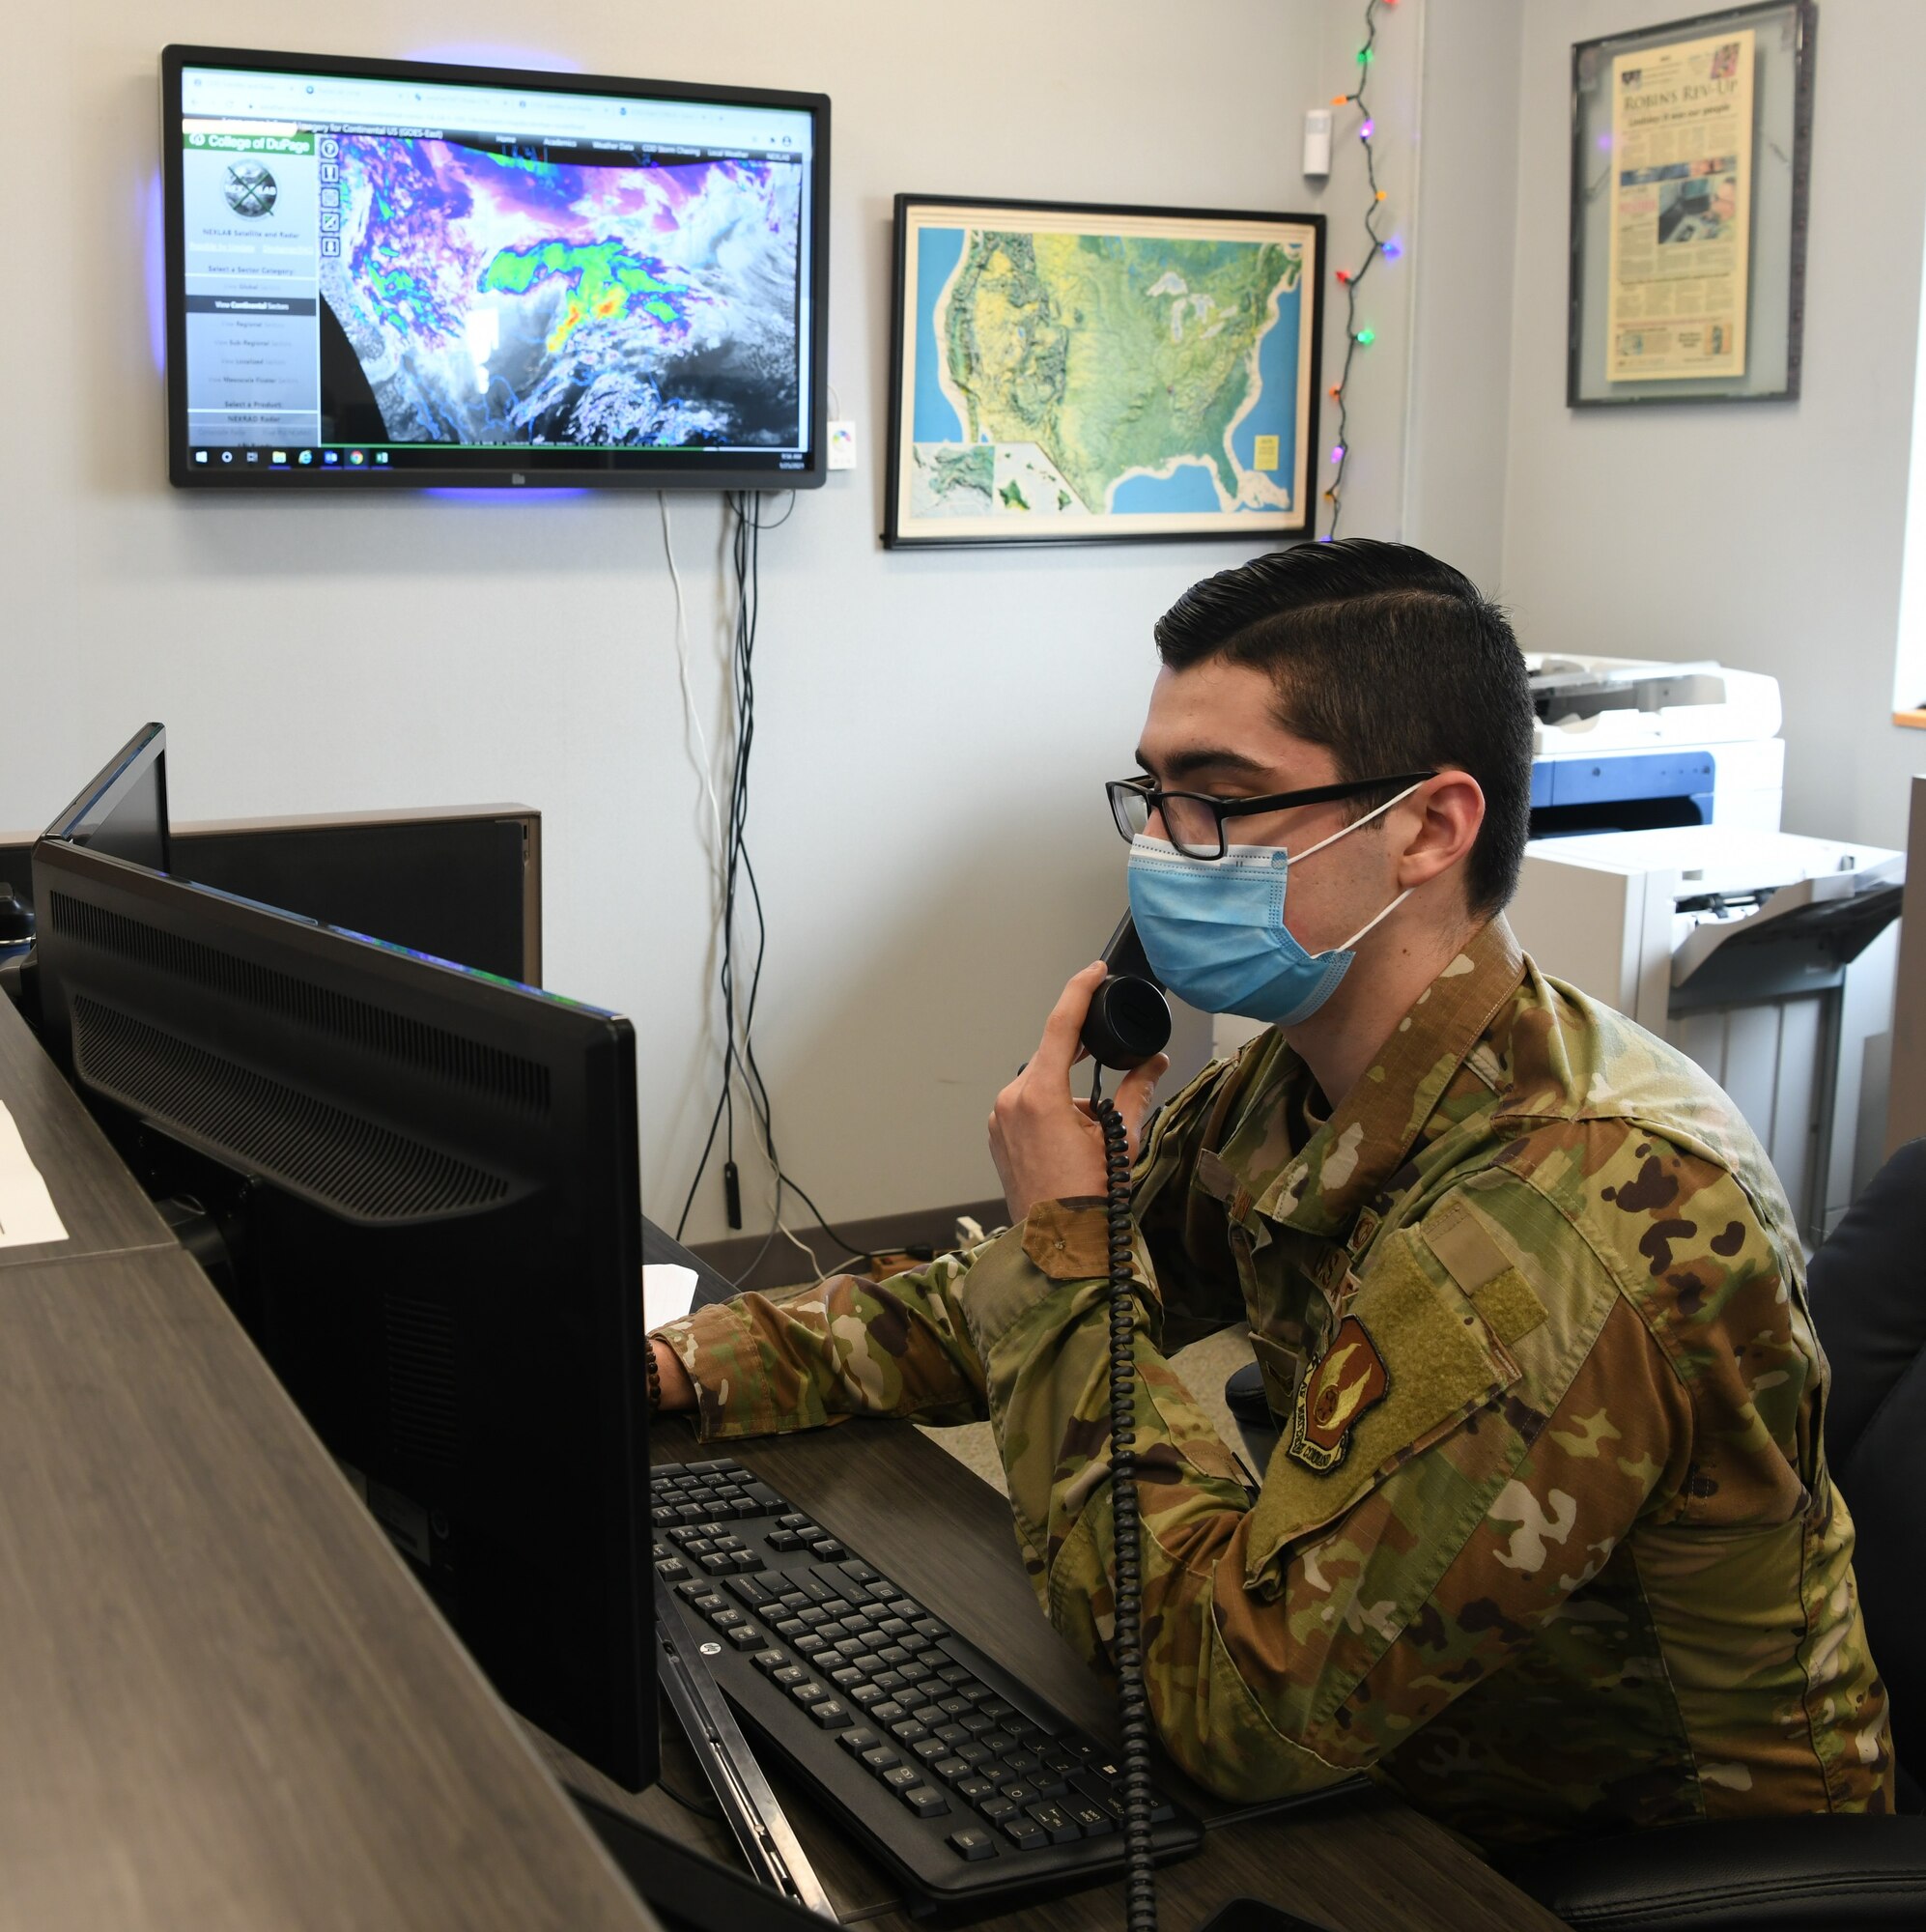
<point x="1134" y="1705"/>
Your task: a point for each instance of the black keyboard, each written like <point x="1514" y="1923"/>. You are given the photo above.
<point x="958" y="1777"/>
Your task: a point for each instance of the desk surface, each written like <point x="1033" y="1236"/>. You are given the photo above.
<point x="225" y="1702"/>
<point x="1368" y="1863"/>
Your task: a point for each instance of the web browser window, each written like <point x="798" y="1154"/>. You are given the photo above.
<point x="385" y="272"/>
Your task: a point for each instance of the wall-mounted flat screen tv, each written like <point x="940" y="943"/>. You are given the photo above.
<point x="391" y="273"/>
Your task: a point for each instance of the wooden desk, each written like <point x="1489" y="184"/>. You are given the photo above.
<point x="225" y="1703"/>
<point x="1368" y="1863"/>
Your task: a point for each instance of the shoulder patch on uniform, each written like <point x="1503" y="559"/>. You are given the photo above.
<point x="1349" y="1377"/>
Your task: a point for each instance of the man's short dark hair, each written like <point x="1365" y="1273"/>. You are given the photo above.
<point x="1391" y="660"/>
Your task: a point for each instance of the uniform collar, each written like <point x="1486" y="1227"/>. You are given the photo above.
<point x="1351" y="1156"/>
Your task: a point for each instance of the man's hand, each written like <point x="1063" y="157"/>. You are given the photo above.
<point x="1043" y="1140"/>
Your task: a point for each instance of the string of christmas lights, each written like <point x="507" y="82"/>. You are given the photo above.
<point x="1349" y="279"/>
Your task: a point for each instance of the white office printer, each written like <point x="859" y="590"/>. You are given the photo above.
<point x="1624" y="744"/>
<point x="1767" y="957"/>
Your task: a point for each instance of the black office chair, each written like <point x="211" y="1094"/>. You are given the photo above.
<point x="1810" y="1874"/>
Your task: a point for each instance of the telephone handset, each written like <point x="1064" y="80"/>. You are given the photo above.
<point x="1130" y="1019"/>
<point x="1128" y="1022"/>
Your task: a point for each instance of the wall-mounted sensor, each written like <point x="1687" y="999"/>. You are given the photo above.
<point x="1318" y="141"/>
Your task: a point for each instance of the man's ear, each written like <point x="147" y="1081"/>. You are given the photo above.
<point x="1444" y="815"/>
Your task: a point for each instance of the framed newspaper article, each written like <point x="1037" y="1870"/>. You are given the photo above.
<point x="1065" y="372"/>
<point x="1691" y="155"/>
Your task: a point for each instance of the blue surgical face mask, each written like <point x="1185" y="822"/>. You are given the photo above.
<point x="1214" y="929"/>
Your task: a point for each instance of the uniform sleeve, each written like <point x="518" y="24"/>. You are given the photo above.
<point x="1295" y="1636"/>
<point x="764" y="1364"/>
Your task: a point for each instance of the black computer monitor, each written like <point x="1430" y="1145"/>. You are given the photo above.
<point x="424" y="1183"/>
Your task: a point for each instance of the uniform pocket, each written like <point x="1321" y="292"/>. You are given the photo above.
<point x="1440" y="1362"/>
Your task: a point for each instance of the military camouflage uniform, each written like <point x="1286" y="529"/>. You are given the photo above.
<point x="1548" y="1539"/>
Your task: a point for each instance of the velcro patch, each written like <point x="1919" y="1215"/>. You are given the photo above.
<point x="1349" y="1378"/>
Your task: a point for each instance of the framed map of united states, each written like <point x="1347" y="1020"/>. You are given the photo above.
<point x="1075" y="374"/>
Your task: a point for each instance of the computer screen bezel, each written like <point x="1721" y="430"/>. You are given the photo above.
<point x="694" y="470"/>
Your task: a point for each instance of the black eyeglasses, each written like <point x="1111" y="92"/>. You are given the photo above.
<point x="1194" y="822"/>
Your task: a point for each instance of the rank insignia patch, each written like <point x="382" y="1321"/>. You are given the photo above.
<point x="1344" y="1381"/>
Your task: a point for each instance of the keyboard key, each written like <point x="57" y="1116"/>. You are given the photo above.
<point x="671" y="1569"/>
<point x="904" y="1778"/>
<point x="868" y="1696"/>
<point x="912" y="1673"/>
<point x="954" y="1674"/>
<point x="765" y="1500"/>
<point x="995" y="1808"/>
<point x="845" y="1680"/>
<point x="861" y="1573"/>
<point x="1064" y="1829"/>
<point x="1022" y="1764"/>
<point x="1019" y="1793"/>
<point x="859" y="1739"/>
<point x="953" y="1735"/>
<point x="1024" y="1833"/>
<point x="746" y="1636"/>
<point x="810" y="1644"/>
<point x="728" y="1617"/>
<point x="951" y="1706"/>
<point x="879" y="1758"/>
<point x="791" y="1627"/>
<point x="925" y="1803"/>
<point x="749" y="1591"/>
<point x="832" y="1713"/>
<point x="975" y="1722"/>
<point x="929" y="1749"/>
<point x="770" y="1661"/>
<point x="908" y="1731"/>
<point x="972" y="1843"/>
<point x="886" y="1713"/>
<point x="785" y="1540"/>
<point x="974" y="1790"/>
<point x="891" y="1626"/>
<point x="808" y="1693"/>
<point x="1050" y="1785"/>
<point x="789" y="1675"/>
<point x="974" y="1752"/>
<point x="951" y="1769"/>
<point x="1091" y="1819"/>
<point x="828" y="1546"/>
<point x="717" y="1563"/>
<point x="890" y="1681"/>
<point x="929" y="1627"/>
<point x="795" y="1520"/>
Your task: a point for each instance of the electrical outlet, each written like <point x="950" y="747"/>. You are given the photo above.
<point x="842" y="444"/>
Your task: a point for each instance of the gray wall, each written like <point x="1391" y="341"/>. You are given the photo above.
<point x="1768" y="534"/>
<point x="927" y="825"/>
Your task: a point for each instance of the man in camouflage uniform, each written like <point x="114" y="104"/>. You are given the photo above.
<point x="1549" y="1541"/>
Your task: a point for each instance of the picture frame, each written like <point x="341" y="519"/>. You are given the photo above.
<point x="1065" y="372"/>
<point x="1691" y="149"/>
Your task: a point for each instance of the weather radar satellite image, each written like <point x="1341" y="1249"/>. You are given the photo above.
<point x="496" y="300"/>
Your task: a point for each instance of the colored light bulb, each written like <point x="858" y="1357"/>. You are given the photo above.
<point x="1392" y="250"/>
<point x="1337" y="452"/>
<point x="1344" y="274"/>
<point x="1366" y="337"/>
<point x="1368" y="128"/>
